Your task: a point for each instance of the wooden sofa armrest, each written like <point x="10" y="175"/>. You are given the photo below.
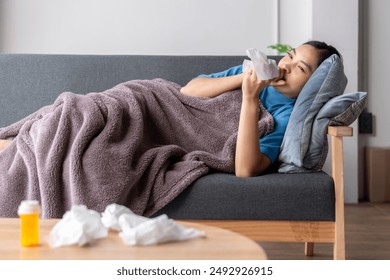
<point x="340" y="131"/>
<point x="337" y="133"/>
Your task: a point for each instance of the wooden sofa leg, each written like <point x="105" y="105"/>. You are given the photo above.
<point x="309" y="249"/>
<point x="339" y="250"/>
<point x="338" y="177"/>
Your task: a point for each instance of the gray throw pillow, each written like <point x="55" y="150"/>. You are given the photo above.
<point x="327" y="81"/>
<point x="341" y="110"/>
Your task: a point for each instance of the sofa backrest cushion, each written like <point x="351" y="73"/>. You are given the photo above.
<point x="31" y="81"/>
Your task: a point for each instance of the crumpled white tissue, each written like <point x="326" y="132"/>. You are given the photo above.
<point x="110" y="216"/>
<point x="154" y="231"/>
<point x="78" y="226"/>
<point x="139" y="230"/>
<point x="266" y="69"/>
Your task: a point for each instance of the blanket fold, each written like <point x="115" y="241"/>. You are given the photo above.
<point x="139" y="144"/>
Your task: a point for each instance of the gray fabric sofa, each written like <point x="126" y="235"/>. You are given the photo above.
<point x="29" y="81"/>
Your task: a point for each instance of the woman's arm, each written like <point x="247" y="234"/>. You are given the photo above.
<point x="211" y="87"/>
<point x="249" y="161"/>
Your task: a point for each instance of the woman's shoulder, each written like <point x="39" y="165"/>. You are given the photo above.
<point x="235" y="70"/>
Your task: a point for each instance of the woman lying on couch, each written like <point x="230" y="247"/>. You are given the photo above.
<point x="253" y="156"/>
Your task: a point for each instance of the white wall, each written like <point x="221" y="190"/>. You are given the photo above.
<point x="136" y="26"/>
<point x="295" y="21"/>
<point x="377" y="74"/>
<point x="374" y="76"/>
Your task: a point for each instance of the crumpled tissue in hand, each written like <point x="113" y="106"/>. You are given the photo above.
<point x="138" y="230"/>
<point x="266" y="69"/>
<point x="78" y="226"/>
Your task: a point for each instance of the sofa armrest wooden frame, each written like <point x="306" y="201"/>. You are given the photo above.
<point x="304" y="231"/>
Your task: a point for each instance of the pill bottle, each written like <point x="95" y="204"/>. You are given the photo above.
<point x="29" y="211"/>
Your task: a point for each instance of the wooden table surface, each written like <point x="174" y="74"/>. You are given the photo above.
<point x="220" y="244"/>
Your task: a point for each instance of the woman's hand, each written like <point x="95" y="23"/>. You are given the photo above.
<point x="280" y="79"/>
<point x="252" y="85"/>
<point x="249" y="161"/>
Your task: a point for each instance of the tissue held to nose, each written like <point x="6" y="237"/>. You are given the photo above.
<point x="266" y="69"/>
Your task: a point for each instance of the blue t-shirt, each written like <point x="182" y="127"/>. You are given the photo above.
<point x="278" y="105"/>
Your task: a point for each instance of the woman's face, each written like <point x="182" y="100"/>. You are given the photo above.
<point x="296" y="67"/>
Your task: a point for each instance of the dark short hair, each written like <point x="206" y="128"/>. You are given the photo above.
<point x="324" y="49"/>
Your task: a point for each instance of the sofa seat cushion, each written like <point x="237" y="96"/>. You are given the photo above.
<point x="295" y="197"/>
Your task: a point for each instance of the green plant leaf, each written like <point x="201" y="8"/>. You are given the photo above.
<point x="281" y="48"/>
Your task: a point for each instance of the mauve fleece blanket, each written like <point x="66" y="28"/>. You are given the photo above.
<point x="138" y="144"/>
